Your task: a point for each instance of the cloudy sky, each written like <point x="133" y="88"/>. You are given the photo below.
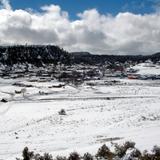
<point x="97" y="26"/>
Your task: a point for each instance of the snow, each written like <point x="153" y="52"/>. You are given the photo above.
<point x="129" y="110"/>
<point x="147" y="69"/>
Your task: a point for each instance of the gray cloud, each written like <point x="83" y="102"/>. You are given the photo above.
<point x="125" y="33"/>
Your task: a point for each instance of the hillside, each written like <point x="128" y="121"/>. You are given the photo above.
<point x="36" y="55"/>
<point x="50" y="54"/>
<point x="109" y="110"/>
<point x="88" y="58"/>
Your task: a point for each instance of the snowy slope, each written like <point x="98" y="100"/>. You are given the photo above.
<point x="95" y="115"/>
<point x="147" y="69"/>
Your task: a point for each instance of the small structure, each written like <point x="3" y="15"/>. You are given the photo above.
<point x="133" y="76"/>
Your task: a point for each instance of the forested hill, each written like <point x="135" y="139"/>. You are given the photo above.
<point x="87" y="58"/>
<point x="33" y="54"/>
<point x="50" y="54"/>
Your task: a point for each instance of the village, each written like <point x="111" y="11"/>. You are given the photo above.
<point x="79" y="73"/>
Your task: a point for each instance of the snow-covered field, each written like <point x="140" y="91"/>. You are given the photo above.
<point x="128" y="110"/>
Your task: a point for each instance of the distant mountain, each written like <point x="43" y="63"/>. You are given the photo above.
<point x="156" y="55"/>
<point x="80" y="53"/>
<point x="88" y="58"/>
<point x="101" y="59"/>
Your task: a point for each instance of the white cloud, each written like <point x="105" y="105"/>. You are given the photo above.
<point x="125" y="33"/>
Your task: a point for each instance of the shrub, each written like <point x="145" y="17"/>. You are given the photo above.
<point x="136" y="153"/>
<point x="104" y="152"/>
<point x="156" y="151"/>
<point x="4" y="100"/>
<point x="47" y="156"/>
<point x="146" y="156"/>
<point x="61" y="158"/>
<point x="27" y="155"/>
<point x="132" y="154"/>
<point x="127" y="151"/>
<point x="38" y="157"/>
<point x="62" y="112"/>
<point x="129" y="144"/>
<point x="74" y="156"/>
<point x="155" y="155"/>
<point x="120" y="150"/>
<point x="87" y="156"/>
